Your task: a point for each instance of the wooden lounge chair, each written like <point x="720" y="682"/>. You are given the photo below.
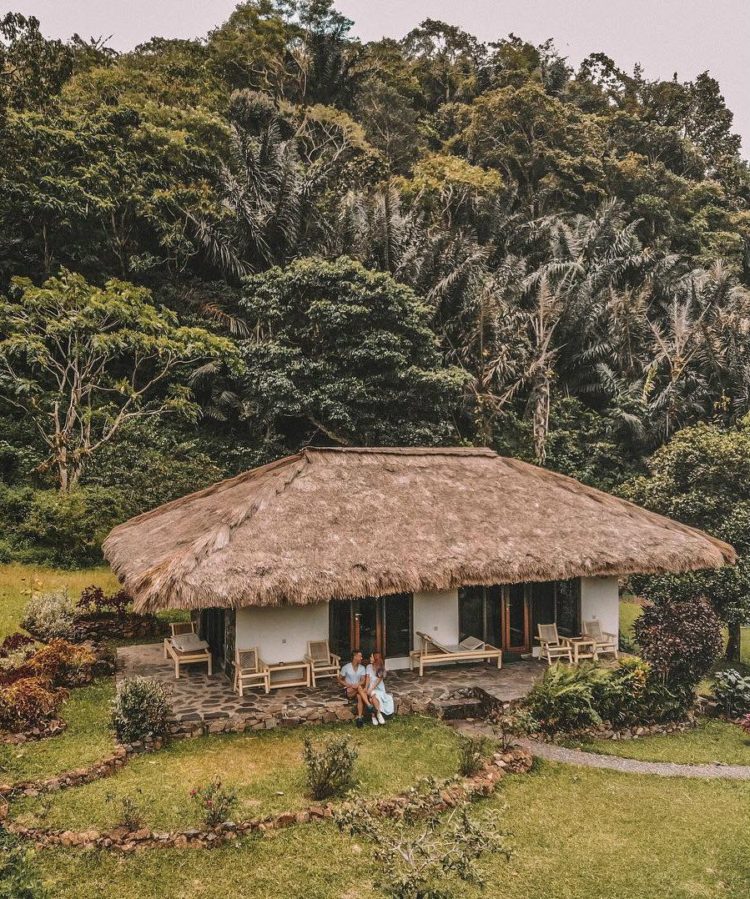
<point x="250" y="670"/>
<point x="553" y="648"/>
<point x="603" y="642"/>
<point x="471" y="649"/>
<point x="323" y="662"/>
<point x="185" y="647"/>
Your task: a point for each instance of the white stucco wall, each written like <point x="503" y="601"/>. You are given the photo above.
<point x="600" y="599"/>
<point x="281" y="633"/>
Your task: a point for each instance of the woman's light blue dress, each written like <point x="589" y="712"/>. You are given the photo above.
<point x="385" y="699"/>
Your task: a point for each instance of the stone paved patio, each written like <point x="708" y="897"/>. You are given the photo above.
<point x="203" y="704"/>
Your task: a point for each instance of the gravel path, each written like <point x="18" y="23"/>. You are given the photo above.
<point x="553" y="753"/>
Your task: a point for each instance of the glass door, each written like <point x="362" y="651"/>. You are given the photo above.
<point x="367" y="622"/>
<point x="516" y="619"/>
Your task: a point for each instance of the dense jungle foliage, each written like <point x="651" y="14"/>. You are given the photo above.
<point x="216" y="251"/>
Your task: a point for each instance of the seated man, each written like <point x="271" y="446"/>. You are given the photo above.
<point x="352" y="678"/>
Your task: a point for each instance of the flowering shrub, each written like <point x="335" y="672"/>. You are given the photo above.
<point x="745" y="723"/>
<point x="511" y="724"/>
<point x="141" y="709"/>
<point x="49" y="615"/>
<point x="28" y="703"/>
<point x="732" y="692"/>
<point x="215" y="802"/>
<point x="680" y="639"/>
<point x="330" y="767"/>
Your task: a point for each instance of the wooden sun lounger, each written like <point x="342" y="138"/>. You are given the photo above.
<point x="431" y="652"/>
<point x="185" y="657"/>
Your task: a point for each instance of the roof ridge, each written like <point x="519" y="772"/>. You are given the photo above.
<point x="406" y="450"/>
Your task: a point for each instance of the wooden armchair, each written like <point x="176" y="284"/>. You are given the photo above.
<point x="250" y="670"/>
<point x="185" y="647"/>
<point x="323" y="662"/>
<point x="553" y="647"/>
<point x="603" y="642"/>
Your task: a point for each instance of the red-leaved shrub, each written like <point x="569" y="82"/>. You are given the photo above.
<point x="28" y="703"/>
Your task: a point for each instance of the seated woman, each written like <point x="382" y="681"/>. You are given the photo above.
<point x="381" y="701"/>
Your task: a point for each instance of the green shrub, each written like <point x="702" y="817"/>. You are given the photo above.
<point x="471" y="754"/>
<point x="141" y="709"/>
<point x="564" y="698"/>
<point x="68" y="528"/>
<point x="17" y="878"/>
<point x="619" y="696"/>
<point x="330" y="767"/>
<point x="215" y="801"/>
<point x="732" y="692"/>
<point x="49" y="615"/>
<point x="130" y="815"/>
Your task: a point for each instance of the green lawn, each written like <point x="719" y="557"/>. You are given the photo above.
<point x="86" y="739"/>
<point x="266" y="768"/>
<point x="711" y="741"/>
<point x="576" y="834"/>
<point x="18" y="581"/>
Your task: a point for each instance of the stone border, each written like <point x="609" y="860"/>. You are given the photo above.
<point x="452" y="793"/>
<point x="52" y="728"/>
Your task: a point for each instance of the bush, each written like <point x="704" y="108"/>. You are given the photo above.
<point x="619" y="697"/>
<point x="564" y="698"/>
<point x="16" y="643"/>
<point x="330" y="767"/>
<point x="732" y="692"/>
<point x="17" y="878"/>
<point x="471" y="754"/>
<point x="745" y="723"/>
<point x="49" y="615"/>
<point x="511" y="724"/>
<point x="95" y="601"/>
<point x="141" y="709"/>
<point x="130" y="815"/>
<point x="63" y="663"/>
<point x="681" y="640"/>
<point x="215" y="801"/>
<point x="28" y="703"/>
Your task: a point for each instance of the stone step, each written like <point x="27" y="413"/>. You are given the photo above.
<point x="462" y="707"/>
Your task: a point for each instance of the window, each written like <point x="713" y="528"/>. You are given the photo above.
<point x="557" y="602"/>
<point x="480" y="613"/>
<point x="370" y="623"/>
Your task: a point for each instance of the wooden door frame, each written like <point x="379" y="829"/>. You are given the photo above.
<point x="506" y="621"/>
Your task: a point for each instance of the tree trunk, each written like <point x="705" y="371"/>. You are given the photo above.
<point x="541" y="419"/>
<point x="734" y="644"/>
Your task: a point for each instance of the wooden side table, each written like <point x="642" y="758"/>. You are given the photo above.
<point x="298" y="675"/>
<point x="579" y="645"/>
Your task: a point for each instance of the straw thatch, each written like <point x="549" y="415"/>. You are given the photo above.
<point x="336" y="523"/>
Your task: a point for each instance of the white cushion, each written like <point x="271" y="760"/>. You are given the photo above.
<point x="188" y="643"/>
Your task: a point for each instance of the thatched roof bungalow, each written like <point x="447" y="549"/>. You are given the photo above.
<point x="371" y="545"/>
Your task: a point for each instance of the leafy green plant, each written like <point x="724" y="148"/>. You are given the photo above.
<point x="215" y="802"/>
<point x="330" y="767"/>
<point x="472" y="752"/>
<point x="17" y="879"/>
<point x="564" y="698"/>
<point x="141" y="709"/>
<point x="732" y="691"/>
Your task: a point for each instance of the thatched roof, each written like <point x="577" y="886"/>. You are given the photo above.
<point x="336" y="523"/>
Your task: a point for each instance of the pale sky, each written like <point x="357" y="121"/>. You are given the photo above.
<point x="665" y="36"/>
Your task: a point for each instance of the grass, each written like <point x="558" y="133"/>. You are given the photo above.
<point x="266" y="768"/>
<point x="86" y="739"/>
<point x="17" y="582"/>
<point x="575" y="833"/>
<point x="711" y="741"/>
